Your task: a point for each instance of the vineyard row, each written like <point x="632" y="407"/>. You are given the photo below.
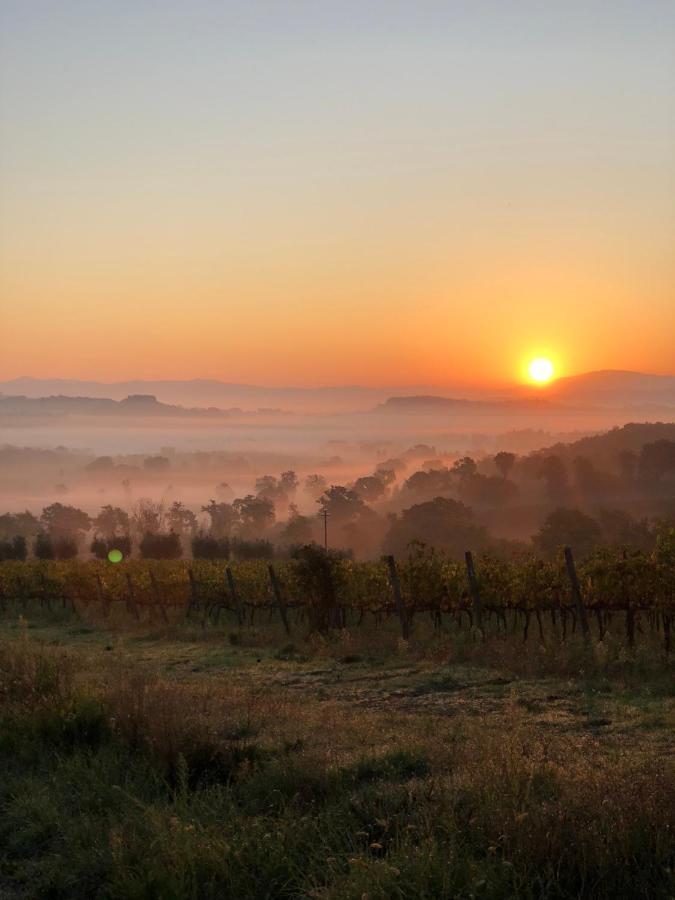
<point x="336" y="592"/>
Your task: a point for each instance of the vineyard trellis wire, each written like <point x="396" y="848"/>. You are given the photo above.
<point x="475" y="593"/>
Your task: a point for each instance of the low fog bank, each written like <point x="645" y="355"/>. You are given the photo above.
<point x="496" y="492"/>
<point x="51" y="461"/>
<point x="474" y="427"/>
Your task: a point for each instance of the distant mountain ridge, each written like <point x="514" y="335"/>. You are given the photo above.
<point x="613" y="389"/>
<point x="609" y="389"/>
<point x="132" y="405"/>
<point x="210" y="392"/>
<point x="435" y="404"/>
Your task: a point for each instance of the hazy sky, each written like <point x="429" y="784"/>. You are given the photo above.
<point x="336" y="192"/>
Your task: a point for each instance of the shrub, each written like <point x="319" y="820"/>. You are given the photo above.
<point x="61" y="547"/>
<point x="101" y="547"/>
<point x="320" y="576"/>
<point x="205" y="546"/>
<point x="44" y="548"/>
<point x="161" y="546"/>
<point x="15" y="548"/>
<point x="259" y="549"/>
<point x="65" y="548"/>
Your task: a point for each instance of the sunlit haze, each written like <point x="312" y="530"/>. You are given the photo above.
<point x="336" y="193"/>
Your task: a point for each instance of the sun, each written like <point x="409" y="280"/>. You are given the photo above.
<point x="541" y="370"/>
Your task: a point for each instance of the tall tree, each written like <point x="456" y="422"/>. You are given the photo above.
<point x="341" y="503"/>
<point x="427" y="484"/>
<point x="65" y="521"/>
<point x="553" y="471"/>
<point x="147" y="516"/>
<point x="315" y="485"/>
<point x="267" y="486"/>
<point x="656" y="460"/>
<point x="504" y="462"/>
<point x="112" y="522"/>
<point x="370" y="488"/>
<point x="445" y="524"/>
<point x="223" y="518"/>
<point x="288" y="481"/>
<point x="180" y="519"/>
<point x="567" y="527"/>
<point x="298" y="529"/>
<point x="23" y="524"/>
<point x="256" y="514"/>
<point x="464" y="467"/>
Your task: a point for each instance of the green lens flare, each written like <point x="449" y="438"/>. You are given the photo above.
<point x="115" y="556"/>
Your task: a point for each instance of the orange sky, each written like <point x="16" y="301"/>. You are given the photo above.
<point x="409" y="202"/>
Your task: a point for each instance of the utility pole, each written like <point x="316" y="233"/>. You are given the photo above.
<point x="324" y="514"/>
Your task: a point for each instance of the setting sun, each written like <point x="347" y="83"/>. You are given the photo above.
<point x="541" y="370"/>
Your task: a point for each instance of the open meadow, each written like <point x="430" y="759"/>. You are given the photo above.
<point x="203" y="759"/>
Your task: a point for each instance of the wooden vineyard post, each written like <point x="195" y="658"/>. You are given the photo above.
<point x="398" y="598"/>
<point x="475" y="593"/>
<point x="193" y="592"/>
<point x="131" y="604"/>
<point x="576" y="593"/>
<point x="630" y="610"/>
<point x="45" y="600"/>
<point x="235" y="596"/>
<point x="278" y="593"/>
<point x="158" y="599"/>
<point x="102" y="599"/>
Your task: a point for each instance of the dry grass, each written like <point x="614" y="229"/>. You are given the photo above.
<point x="33" y="675"/>
<point x="243" y="786"/>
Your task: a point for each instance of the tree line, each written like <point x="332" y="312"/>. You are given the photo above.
<point x="383" y="511"/>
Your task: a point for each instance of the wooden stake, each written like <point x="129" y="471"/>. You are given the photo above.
<point x="576" y="593"/>
<point x="235" y="596"/>
<point x="278" y="593"/>
<point x="193" y="592"/>
<point x="475" y="593"/>
<point x="398" y="598"/>
<point x="131" y="604"/>
<point x="158" y="598"/>
<point x="102" y="599"/>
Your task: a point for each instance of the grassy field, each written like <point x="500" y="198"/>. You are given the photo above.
<point x="226" y="763"/>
